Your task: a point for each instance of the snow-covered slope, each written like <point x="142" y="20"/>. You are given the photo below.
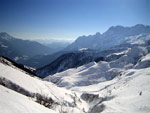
<point x="13" y="102"/>
<point x="144" y="62"/>
<point x="127" y="92"/>
<point x="67" y="61"/>
<point x="131" y="93"/>
<point x="94" y="73"/>
<point x="62" y="99"/>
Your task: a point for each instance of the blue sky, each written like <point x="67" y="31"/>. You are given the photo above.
<point x="68" y="19"/>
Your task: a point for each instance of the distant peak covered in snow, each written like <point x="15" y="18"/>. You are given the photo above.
<point x="115" y="35"/>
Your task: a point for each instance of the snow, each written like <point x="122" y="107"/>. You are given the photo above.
<point x="13" y="102"/>
<point x="144" y="62"/>
<point x="80" y="76"/>
<point x="139" y="39"/>
<point x="94" y="73"/>
<point x="119" y="34"/>
<point x="125" y="90"/>
<point x="127" y="93"/>
<point x="124" y="82"/>
<point x="32" y="84"/>
<point x="63" y="97"/>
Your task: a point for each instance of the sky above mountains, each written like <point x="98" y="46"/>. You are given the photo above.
<point x="68" y="19"/>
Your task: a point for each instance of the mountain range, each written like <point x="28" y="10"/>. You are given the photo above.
<point x="81" y="57"/>
<point x="37" y="55"/>
<point x="116" y="81"/>
<point x="115" y="35"/>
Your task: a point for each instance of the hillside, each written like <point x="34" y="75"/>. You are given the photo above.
<point x="35" y="91"/>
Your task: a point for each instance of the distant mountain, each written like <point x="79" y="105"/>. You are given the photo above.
<point x="84" y="56"/>
<point x="115" y="35"/>
<point x="17" y="49"/>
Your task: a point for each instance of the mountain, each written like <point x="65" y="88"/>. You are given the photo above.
<point x="115" y="35"/>
<point x="17" y="49"/>
<point x="66" y="61"/>
<point x="84" y="56"/>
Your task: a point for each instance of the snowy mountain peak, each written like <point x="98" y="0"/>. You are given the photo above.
<point x="115" y="35"/>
